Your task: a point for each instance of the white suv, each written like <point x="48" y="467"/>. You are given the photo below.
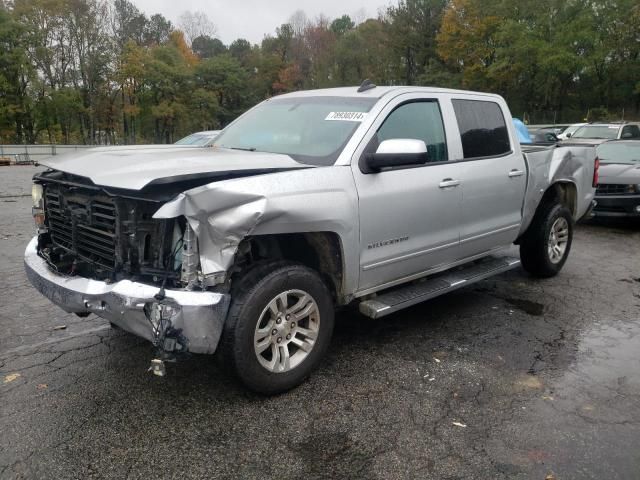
<point x="607" y="131"/>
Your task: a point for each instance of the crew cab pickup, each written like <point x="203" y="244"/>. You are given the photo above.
<point x="379" y="197"/>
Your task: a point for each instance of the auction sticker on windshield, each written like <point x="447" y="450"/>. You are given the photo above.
<point x="346" y="116"/>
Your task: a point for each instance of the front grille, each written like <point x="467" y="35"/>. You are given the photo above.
<point x="610" y="208"/>
<point x="82" y="225"/>
<point x="611" y="189"/>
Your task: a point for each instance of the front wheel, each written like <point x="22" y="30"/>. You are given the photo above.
<point x="279" y="326"/>
<point x="545" y="246"/>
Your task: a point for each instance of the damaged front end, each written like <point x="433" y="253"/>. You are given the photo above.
<point x="99" y="251"/>
<point x="87" y="232"/>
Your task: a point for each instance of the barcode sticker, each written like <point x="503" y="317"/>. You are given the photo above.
<point x="346" y="116"/>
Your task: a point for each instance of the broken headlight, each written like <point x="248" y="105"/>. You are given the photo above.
<point x="190" y="258"/>
<point x="37" y="194"/>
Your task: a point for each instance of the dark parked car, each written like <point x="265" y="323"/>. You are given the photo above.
<point x="618" y="192"/>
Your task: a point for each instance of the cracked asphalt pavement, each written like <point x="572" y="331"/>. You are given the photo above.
<point x="511" y="378"/>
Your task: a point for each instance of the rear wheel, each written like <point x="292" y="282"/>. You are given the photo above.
<point x="545" y="246"/>
<point x="279" y="326"/>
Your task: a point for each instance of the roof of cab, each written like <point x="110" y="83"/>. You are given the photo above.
<point x="377" y="92"/>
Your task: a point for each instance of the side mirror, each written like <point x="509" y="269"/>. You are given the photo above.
<point x="398" y="152"/>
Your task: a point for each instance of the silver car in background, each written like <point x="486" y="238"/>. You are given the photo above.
<point x="618" y="192"/>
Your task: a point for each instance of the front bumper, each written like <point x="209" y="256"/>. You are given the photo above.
<point x="617" y="206"/>
<point x="199" y="315"/>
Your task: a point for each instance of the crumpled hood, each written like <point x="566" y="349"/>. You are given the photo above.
<point x="622" y="173"/>
<point x="134" y="167"/>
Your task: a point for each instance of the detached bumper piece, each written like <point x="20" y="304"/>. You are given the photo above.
<point x="183" y="321"/>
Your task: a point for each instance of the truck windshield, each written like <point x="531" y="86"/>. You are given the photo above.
<point x="597" y="131"/>
<point x="615" y="152"/>
<point x="311" y="130"/>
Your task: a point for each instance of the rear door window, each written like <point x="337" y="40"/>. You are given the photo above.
<point x="483" y="129"/>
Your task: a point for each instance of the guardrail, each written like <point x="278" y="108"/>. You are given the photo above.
<point x="25" y="154"/>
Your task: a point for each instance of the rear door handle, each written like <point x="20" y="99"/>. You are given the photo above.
<point x="449" y="182"/>
<point x="516" y="173"/>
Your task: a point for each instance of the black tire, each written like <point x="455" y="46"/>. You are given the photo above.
<point x="251" y="294"/>
<point x="534" y="245"/>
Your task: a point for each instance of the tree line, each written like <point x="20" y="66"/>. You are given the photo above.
<point x="102" y="72"/>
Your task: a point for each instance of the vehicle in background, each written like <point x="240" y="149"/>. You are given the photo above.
<point x="569" y="131"/>
<point x="380" y="197"/>
<point x="618" y="192"/>
<point x="594" y="133"/>
<point x="556" y="129"/>
<point x="199" y="139"/>
<point x="544" y="135"/>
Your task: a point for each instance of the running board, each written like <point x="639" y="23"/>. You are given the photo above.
<point x="436" y="285"/>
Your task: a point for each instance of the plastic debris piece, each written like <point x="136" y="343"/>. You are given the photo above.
<point x="11" y="377"/>
<point x="436" y="359"/>
<point x="432" y="379"/>
<point x="458" y="424"/>
<point x="157" y="367"/>
<point x="60" y="327"/>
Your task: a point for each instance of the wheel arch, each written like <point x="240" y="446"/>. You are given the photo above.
<point x="563" y="192"/>
<point x="321" y="251"/>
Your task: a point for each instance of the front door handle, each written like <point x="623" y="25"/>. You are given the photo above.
<point x="516" y="173"/>
<point x="449" y="182"/>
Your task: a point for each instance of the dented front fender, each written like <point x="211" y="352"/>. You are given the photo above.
<point x="223" y="213"/>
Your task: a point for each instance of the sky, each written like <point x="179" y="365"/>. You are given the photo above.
<point x="253" y="19"/>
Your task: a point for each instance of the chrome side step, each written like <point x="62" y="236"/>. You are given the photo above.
<point x="436" y="285"/>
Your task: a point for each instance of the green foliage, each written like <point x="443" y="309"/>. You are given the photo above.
<point x="101" y="71"/>
<point x="207" y="47"/>
<point x="17" y="110"/>
<point x="342" y="25"/>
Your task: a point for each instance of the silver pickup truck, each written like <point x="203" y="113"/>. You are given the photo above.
<point x="380" y="197"/>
